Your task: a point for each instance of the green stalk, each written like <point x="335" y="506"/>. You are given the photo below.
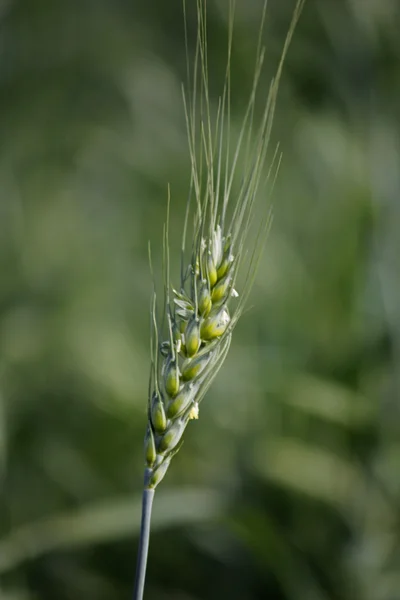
<point x="147" y="503"/>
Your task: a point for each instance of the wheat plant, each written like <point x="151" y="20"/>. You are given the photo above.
<point x="191" y="338"/>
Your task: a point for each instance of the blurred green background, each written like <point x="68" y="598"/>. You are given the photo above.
<point x="288" y="486"/>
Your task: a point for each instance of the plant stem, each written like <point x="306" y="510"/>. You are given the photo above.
<point x="147" y="503"/>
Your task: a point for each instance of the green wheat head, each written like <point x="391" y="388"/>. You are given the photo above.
<point x="190" y="341"/>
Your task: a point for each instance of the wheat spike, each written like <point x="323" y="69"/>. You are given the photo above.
<point x="201" y="314"/>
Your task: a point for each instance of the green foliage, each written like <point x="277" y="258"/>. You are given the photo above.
<point x="294" y="465"/>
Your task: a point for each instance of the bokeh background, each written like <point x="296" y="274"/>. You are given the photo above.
<point x="288" y="486"/>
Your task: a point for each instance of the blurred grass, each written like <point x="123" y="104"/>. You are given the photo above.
<point x="298" y="442"/>
<point x="105" y="522"/>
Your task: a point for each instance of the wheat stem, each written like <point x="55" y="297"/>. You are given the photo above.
<point x="143" y="549"/>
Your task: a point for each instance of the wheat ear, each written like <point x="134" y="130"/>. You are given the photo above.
<point x="200" y="315"/>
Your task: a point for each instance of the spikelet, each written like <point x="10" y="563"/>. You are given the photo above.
<point x="201" y="314"/>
